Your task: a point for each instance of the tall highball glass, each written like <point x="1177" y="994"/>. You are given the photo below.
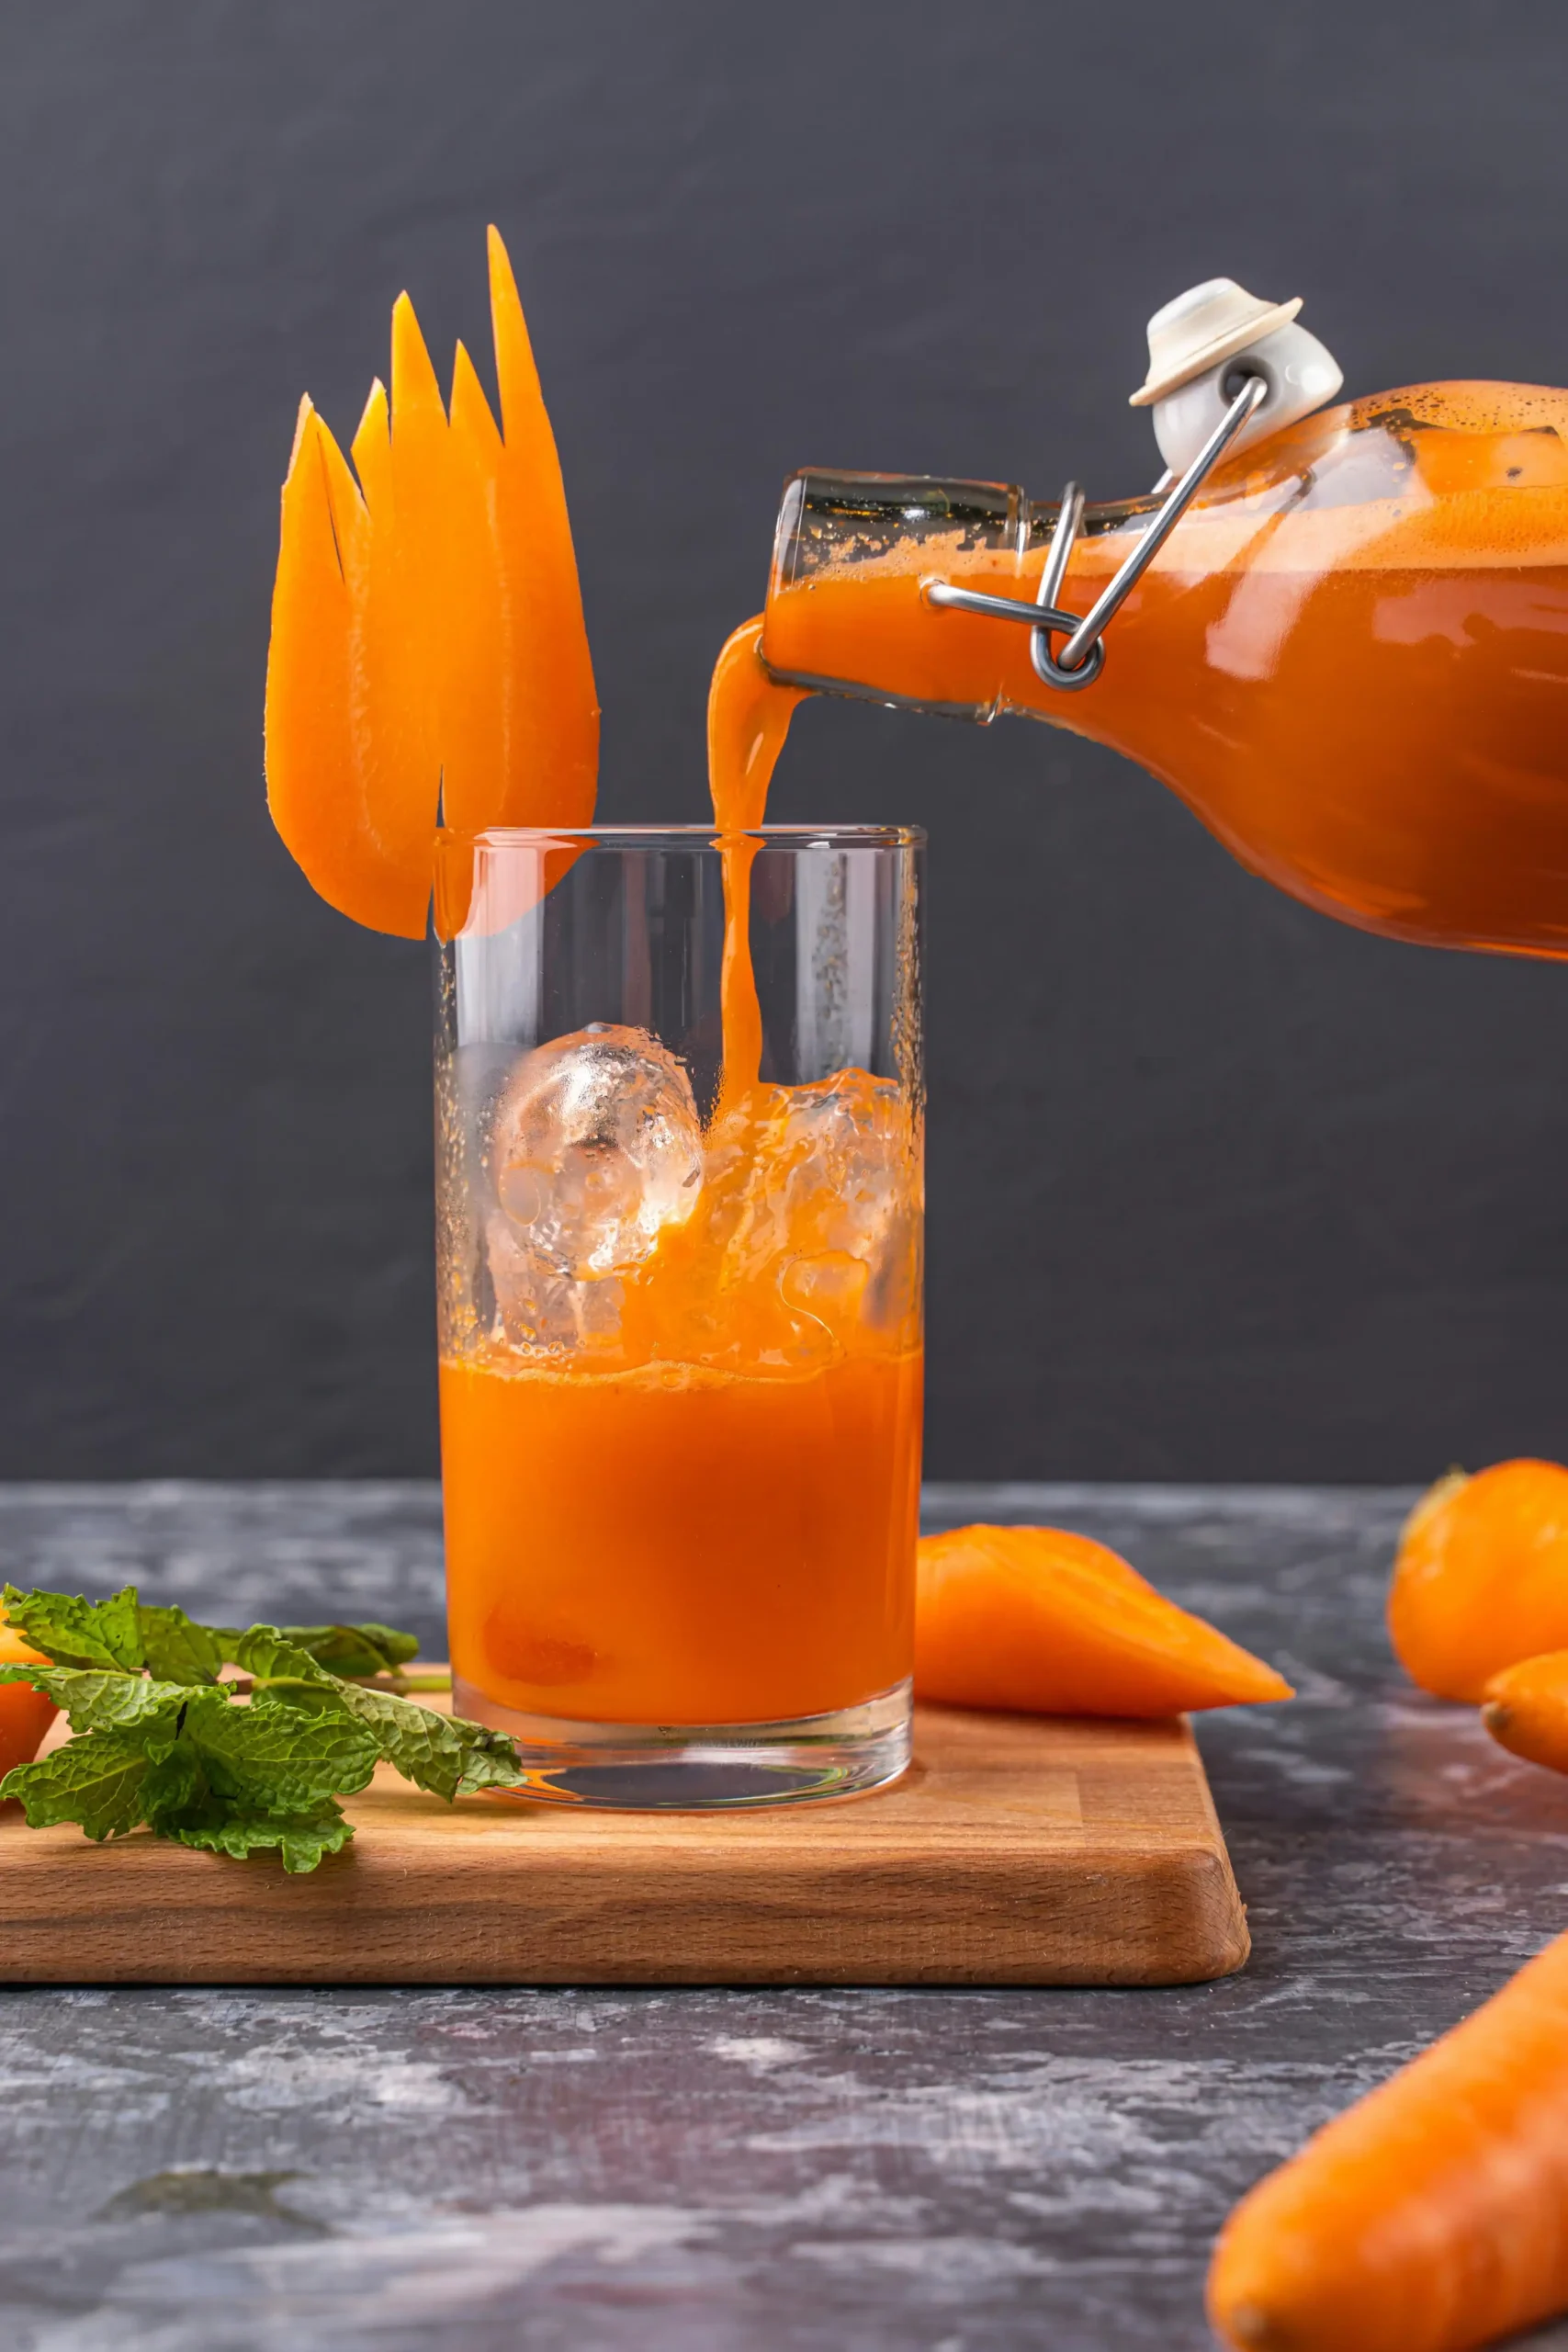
<point x="681" y="1305"/>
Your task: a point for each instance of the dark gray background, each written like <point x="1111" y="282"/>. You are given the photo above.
<point x="1218" y="1190"/>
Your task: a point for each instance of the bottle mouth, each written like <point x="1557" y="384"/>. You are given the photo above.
<point x="840" y="520"/>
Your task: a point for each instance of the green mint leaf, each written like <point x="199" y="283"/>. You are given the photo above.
<point x="175" y="1789"/>
<point x="93" y="1701"/>
<point x="175" y="1649"/>
<point x="303" y="1838"/>
<point x="73" y="1632"/>
<point x="270" y="1656"/>
<point x="354" y="1650"/>
<point x="272" y="1757"/>
<point x="489" y="1758"/>
<point x="445" y="1754"/>
<point x="97" y="1780"/>
<point x="172" y="1746"/>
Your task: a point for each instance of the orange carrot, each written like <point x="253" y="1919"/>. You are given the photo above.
<point x="520" y="716"/>
<point x="1481" y="1578"/>
<point x="25" y="1714"/>
<point x="428" y="650"/>
<point x="1527" y="1710"/>
<point x="1035" y="1619"/>
<point x="352" y="758"/>
<point x="346" y="812"/>
<point x="1433" y="2216"/>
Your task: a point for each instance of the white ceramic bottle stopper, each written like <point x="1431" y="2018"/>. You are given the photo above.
<point x="1207" y="340"/>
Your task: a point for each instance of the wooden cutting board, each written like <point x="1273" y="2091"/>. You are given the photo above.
<point x="1018" y="1851"/>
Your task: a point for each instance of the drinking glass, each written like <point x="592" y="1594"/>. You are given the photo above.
<point x="681" y="1304"/>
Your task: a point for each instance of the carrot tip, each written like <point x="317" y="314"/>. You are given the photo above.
<point x="306" y="410"/>
<point x="375" y="408"/>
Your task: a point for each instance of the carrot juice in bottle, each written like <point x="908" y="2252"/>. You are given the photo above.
<point x="1349" y="657"/>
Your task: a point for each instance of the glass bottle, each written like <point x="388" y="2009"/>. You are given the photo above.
<point x="1349" y="659"/>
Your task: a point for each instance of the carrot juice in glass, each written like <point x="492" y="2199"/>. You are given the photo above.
<point x="680" y="1222"/>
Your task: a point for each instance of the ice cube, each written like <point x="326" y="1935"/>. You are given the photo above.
<point x="535" y="1308"/>
<point x="848" y="1142"/>
<point x="834" y="1186"/>
<point x="830" y="1290"/>
<point x="543" y="1312"/>
<point x="596" y="1151"/>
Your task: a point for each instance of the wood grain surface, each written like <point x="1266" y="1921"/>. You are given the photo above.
<point x="1017" y="1851"/>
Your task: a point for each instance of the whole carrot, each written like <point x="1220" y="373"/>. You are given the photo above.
<point x="25" y="1714"/>
<point x="1481" y="1578"/>
<point x="1527" y="1710"/>
<point x="1431" y="2217"/>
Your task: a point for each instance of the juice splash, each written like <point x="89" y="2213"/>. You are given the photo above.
<point x="1350" y="659"/>
<point x="703" y="1509"/>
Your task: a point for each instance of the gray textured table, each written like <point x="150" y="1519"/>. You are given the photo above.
<point x="779" y="2171"/>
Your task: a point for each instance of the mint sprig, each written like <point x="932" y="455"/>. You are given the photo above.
<point x="356" y="1651"/>
<point x="160" y="1741"/>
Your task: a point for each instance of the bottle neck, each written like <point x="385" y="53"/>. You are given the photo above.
<point x="852" y="556"/>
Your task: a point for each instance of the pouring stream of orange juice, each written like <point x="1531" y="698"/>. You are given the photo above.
<point x="749" y="718"/>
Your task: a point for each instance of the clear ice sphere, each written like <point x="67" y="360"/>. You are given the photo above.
<point x="596" y="1149"/>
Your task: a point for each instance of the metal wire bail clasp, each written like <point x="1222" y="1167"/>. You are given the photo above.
<point x="1083" y="656"/>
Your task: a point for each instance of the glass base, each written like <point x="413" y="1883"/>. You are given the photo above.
<point x="690" y="1767"/>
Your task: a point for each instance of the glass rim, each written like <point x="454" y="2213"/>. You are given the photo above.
<point x="536" y="837"/>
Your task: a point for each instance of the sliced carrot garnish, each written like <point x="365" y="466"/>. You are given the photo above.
<point x="428" y="652"/>
<point x="353" y="806"/>
<point x="520" y="712"/>
<point x="1036" y="1619"/>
